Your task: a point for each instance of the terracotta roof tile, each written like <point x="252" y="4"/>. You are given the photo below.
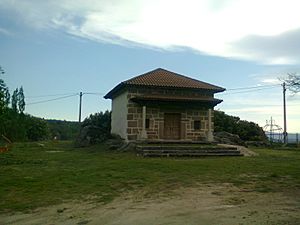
<point x="164" y="78"/>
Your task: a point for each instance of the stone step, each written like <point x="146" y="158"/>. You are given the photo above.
<point x="189" y="151"/>
<point x="152" y="150"/>
<point x="182" y="147"/>
<point x="183" y="154"/>
<point x="180" y="142"/>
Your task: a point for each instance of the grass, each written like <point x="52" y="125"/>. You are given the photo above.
<point x="32" y="175"/>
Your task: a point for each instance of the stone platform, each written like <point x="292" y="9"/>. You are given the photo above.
<point x="184" y="149"/>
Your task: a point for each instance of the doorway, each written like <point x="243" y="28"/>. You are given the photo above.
<point x="172" y="126"/>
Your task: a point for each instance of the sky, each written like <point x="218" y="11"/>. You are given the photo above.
<point x="58" y="48"/>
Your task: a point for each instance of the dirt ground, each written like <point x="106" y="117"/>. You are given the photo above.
<point x="221" y="204"/>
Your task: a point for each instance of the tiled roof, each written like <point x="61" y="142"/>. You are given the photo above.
<point x="164" y="78"/>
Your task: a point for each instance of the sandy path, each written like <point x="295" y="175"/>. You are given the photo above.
<point x="209" y="204"/>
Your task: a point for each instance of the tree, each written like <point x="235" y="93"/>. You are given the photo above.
<point x="247" y="131"/>
<point x="14" y="124"/>
<point x="293" y="82"/>
<point x="223" y="122"/>
<point x="18" y="100"/>
<point x="14" y="100"/>
<point x="63" y="130"/>
<point x="4" y="93"/>
<point x="36" y="128"/>
<point x="94" y="129"/>
<point x="21" y="100"/>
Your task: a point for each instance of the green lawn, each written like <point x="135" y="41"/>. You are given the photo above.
<point x="33" y="175"/>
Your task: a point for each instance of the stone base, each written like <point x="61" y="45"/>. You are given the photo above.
<point x="210" y="136"/>
<point x="144" y="135"/>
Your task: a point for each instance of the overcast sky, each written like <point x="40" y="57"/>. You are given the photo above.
<point x="63" y="47"/>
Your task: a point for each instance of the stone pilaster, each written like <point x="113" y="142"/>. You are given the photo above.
<point x="144" y="132"/>
<point x="210" y="136"/>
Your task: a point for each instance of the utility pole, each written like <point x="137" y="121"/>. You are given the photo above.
<point x="80" y="102"/>
<point x="284" y="114"/>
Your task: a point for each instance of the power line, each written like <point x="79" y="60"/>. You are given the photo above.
<point x="49" y="100"/>
<point x="248" y="91"/>
<point x="93" y="93"/>
<point x="52" y="95"/>
<point x="252" y="87"/>
<point x="43" y="96"/>
<point x="260" y="105"/>
<point x="100" y="93"/>
<point x="63" y="97"/>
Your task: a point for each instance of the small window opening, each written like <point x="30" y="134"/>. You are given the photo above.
<point x="147" y="123"/>
<point x="197" y="125"/>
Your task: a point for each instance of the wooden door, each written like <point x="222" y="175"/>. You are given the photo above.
<point x="172" y="126"/>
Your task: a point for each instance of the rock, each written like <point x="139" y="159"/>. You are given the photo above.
<point x="228" y="138"/>
<point x="117" y="143"/>
<point x="88" y="135"/>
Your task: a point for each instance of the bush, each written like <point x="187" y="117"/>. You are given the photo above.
<point x="247" y="131"/>
<point x="63" y="130"/>
<point x="95" y="129"/>
<point x="23" y="127"/>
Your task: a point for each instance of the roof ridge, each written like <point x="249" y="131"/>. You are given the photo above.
<point x="163" y="78"/>
<point x="169" y="71"/>
<point x="138" y="76"/>
<point x="190" y="78"/>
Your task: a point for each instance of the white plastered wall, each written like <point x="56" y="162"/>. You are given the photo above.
<point x="119" y="115"/>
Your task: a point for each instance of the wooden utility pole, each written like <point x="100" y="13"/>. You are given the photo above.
<point x="284" y="114"/>
<point x="80" y="102"/>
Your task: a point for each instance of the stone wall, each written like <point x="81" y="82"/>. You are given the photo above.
<point x="134" y="121"/>
<point x="155" y="114"/>
<point x="196" y="115"/>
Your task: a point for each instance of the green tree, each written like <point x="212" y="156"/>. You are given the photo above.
<point x="247" y="131"/>
<point x="21" y="100"/>
<point x="98" y="125"/>
<point x="14" y="100"/>
<point x="224" y="122"/>
<point x="63" y="130"/>
<point x="13" y="123"/>
<point x="36" y="128"/>
<point x="4" y="93"/>
<point x="13" y="126"/>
